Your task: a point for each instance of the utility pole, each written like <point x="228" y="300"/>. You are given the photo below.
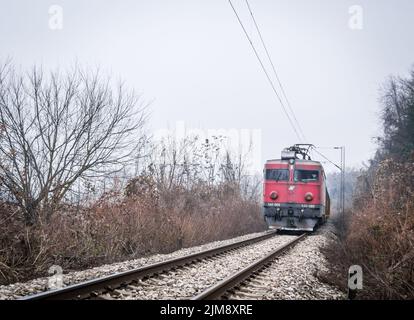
<point x="342" y="168"/>
<point x="343" y="181"/>
<point x="342" y="191"/>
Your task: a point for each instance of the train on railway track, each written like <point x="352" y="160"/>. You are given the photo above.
<point x="295" y="196"/>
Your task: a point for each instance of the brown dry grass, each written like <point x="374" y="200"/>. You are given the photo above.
<point x="379" y="236"/>
<point x="120" y="227"/>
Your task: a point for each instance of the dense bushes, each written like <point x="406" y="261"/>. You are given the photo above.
<point x="119" y="227"/>
<point x="379" y="235"/>
<point x="378" y="232"/>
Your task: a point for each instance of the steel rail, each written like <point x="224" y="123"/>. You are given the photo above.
<point x="218" y="290"/>
<point x="94" y="287"/>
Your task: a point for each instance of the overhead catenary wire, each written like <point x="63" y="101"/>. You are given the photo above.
<point x="326" y="158"/>
<point x="274" y="71"/>
<point x="265" y="71"/>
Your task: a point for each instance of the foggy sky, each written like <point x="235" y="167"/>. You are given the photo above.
<point x="192" y="59"/>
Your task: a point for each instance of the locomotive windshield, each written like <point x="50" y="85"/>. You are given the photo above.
<point x="306" y="175"/>
<point x="277" y="174"/>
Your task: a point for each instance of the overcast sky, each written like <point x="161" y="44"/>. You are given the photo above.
<point x="193" y="60"/>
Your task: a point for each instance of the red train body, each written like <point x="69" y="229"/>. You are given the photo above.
<point x="294" y="192"/>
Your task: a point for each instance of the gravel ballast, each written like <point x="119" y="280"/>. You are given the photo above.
<point x="20" y="289"/>
<point x="294" y="275"/>
<point x="291" y="276"/>
<point x="187" y="282"/>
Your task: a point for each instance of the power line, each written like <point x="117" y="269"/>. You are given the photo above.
<point x="265" y="71"/>
<point x="326" y="158"/>
<point x="274" y="70"/>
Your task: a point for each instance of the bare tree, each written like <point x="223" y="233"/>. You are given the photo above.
<point x="398" y="118"/>
<point x="56" y="129"/>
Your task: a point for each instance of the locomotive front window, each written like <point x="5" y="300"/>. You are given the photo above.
<point x="277" y="174"/>
<point x="306" y="175"/>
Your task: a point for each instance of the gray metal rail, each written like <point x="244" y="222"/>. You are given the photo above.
<point x="93" y="288"/>
<point x="219" y="289"/>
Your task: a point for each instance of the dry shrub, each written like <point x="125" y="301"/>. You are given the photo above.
<point x="379" y="235"/>
<point x="123" y="226"/>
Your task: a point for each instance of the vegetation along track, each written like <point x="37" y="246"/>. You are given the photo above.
<point x="232" y="284"/>
<point x="178" y="278"/>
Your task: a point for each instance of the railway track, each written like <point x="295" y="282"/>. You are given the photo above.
<point x="109" y="287"/>
<point x="232" y="283"/>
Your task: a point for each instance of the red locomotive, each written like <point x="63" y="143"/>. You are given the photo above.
<point x="294" y="192"/>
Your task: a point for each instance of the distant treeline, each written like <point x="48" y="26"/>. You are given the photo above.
<point x="334" y="187"/>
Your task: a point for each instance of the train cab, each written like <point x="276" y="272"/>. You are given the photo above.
<point x="295" y="196"/>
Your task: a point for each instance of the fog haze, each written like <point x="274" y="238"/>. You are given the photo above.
<point x="192" y="60"/>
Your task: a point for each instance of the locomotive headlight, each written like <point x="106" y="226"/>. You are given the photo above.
<point x="309" y="196"/>
<point x="273" y="195"/>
